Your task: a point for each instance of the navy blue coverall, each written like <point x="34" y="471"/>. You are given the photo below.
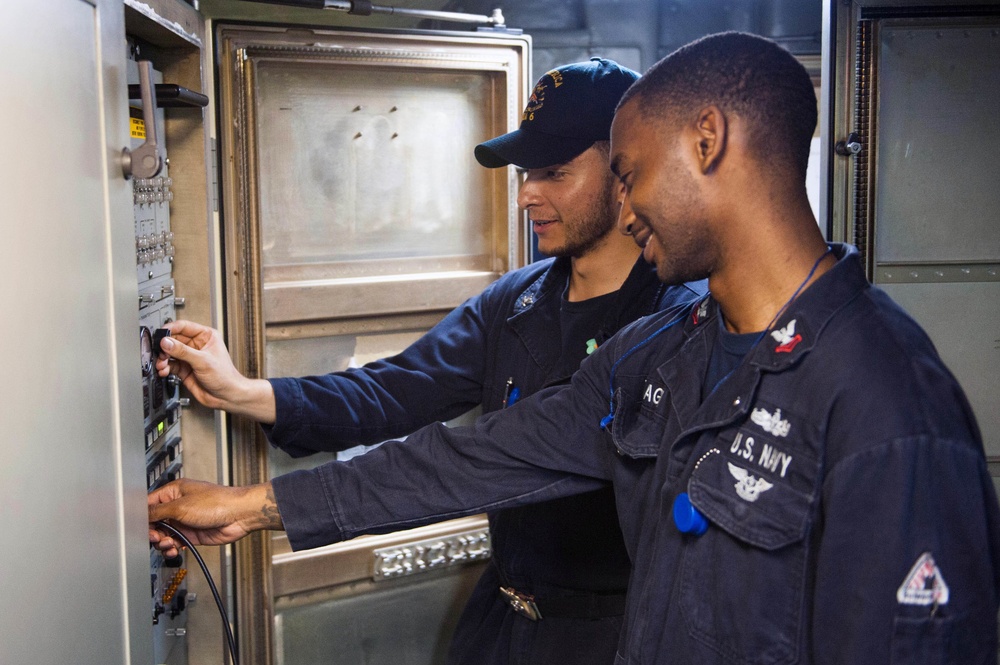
<point x="567" y="552"/>
<point x="851" y="517"/>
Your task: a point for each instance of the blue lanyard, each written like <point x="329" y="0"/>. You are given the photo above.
<point x="606" y="420"/>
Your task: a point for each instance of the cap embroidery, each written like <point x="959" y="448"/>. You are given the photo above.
<point x="535" y="102"/>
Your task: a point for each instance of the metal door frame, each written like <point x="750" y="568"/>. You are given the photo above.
<point x="236" y="47"/>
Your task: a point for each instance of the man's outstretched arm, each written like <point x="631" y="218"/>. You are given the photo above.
<point x="438" y="377"/>
<point x="545" y="447"/>
<point x="210" y="514"/>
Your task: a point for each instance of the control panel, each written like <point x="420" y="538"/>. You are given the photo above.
<point x="161" y="402"/>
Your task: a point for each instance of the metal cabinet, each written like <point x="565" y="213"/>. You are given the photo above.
<point x="73" y="516"/>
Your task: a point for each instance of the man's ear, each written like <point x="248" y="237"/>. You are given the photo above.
<point x="711" y="133"/>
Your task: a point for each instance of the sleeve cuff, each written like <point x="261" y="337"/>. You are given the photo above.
<point x="307" y="511"/>
<point x="288" y="409"/>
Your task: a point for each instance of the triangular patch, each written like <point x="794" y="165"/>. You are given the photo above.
<point x="924" y="585"/>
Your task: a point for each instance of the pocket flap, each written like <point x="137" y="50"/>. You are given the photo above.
<point x="636" y="433"/>
<point x="763" y="511"/>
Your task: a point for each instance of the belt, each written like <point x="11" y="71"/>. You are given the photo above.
<point x="577" y="606"/>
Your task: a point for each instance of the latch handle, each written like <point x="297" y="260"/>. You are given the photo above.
<point x="145" y="161"/>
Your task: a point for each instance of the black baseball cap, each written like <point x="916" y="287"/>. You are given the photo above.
<point x="570" y="108"/>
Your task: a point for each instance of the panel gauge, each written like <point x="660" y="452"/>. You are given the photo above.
<point x="146" y="350"/>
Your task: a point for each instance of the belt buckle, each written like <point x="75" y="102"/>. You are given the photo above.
<point x="522" y="603"/>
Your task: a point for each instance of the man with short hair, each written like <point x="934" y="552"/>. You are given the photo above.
<point x="529" y="329"/>
<point x="799" y="478"/>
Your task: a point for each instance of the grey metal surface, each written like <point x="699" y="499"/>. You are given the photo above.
<point x="377" y="230"/>
<point x="936" y="199"/>
<point x="367" y="170"/>
<point x="299" y="576"/>
<point x="423" y="556"/>
<point x="408" y="621"/>
<point x="903" y="273"/>
<point x="349" y="172"/>
<point x="963" y="320"/>
<point x="363" y="162"/>
<point x="495" y="18"/>
<point x="320" y="299"/>
<point x="637" y="33"/>
<point x="77" y="577"/>
<point x="321" y="355"/>
<point x="936" y="178"/>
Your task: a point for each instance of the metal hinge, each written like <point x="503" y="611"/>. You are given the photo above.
<point x="215" y="175"/>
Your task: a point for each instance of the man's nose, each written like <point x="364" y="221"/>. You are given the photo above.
<point x="527" y="194"/>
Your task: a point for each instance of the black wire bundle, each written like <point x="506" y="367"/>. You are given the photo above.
<point x="233" y="655"/>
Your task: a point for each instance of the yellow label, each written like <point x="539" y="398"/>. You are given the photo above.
<point x="137" y="128"/>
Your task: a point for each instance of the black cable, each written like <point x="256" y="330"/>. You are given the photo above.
<point x="233" y="655"/>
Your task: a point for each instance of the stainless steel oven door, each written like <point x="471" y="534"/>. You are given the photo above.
<point x="355" y="217"/>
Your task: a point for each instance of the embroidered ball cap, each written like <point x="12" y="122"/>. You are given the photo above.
<point x="570" y="108"/>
